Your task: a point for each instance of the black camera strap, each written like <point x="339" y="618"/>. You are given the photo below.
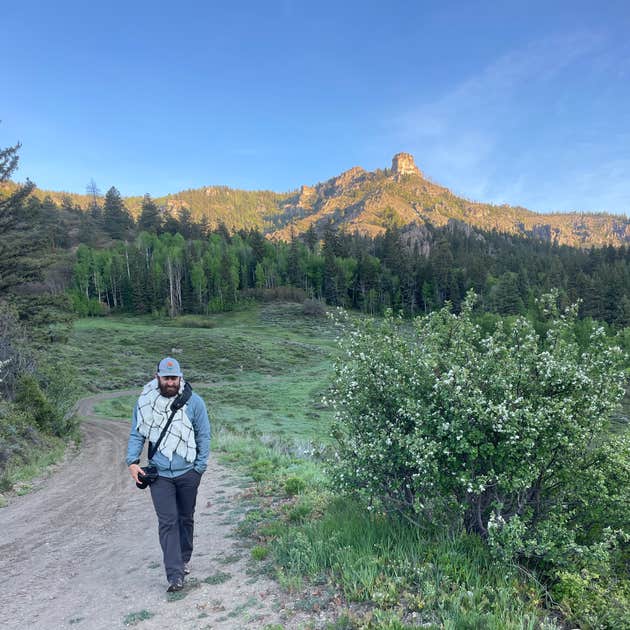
<point x="178" y="403"/>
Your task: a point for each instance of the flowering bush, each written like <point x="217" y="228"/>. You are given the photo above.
<point x="505" y="434"/>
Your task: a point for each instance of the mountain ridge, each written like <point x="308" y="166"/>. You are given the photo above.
<point x="370" y="202"/>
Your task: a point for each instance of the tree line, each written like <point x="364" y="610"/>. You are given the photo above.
<point x="169" y="263"/>
<point x="176" y="265"/>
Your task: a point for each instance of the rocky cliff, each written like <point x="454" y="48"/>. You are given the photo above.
<point x="371" y="201"/>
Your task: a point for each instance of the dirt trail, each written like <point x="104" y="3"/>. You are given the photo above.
<point x="82" y="550"/>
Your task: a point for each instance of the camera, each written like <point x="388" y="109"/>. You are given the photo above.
<point x="147" y="476"/>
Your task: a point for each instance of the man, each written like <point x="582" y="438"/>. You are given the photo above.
<point x="181" y="459"/>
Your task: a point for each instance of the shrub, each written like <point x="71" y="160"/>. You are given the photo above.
<point x="294" y="485"/>
<point x="86" y="307"/>
<point x="314" y="308"/>
<point x="503" y="434"/>
<point x="259" y="552"/>
<point x="60" y="381"/>
<point x="191" y="321"/>
<point x="17" y="440"/>
<point x="15" y="353"/>
<point x="593" y="600"/>
<point x="31" y="400"/>
<point x="300" y="511"/>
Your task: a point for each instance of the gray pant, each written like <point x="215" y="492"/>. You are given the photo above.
<point x="174" y="502"/>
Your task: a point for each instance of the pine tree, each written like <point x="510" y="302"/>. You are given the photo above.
<point x="170" y="224"/>
<point x="257" y="243"/>
<point x="310" y="238"/>
<point x="95" y="209"/>
<point x="204" y="226"/>
<point x="185" y="222"/>
<point x="150" y="218"/>
<point x="21" y="240"/>
<point x="54" y="226"/>
<point x="506" y="297"/>
<point x="443" y="262"/>
<point x="116" y="218"/>
<point x="294" y="267"/>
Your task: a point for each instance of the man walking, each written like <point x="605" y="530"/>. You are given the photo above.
<point x="180" y="459"/>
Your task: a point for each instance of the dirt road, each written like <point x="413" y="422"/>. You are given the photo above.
<point x="82" y="550"/>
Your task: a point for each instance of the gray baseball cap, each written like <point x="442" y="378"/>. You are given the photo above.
<point x="169" y="367"/>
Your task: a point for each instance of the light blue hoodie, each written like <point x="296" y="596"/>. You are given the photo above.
<point x="196" y="411"/>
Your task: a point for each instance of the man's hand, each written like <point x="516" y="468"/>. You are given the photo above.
<point x="134" y="469"/>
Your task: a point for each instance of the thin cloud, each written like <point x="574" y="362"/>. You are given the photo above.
<point x="496" y="84"/>
<point x="481" y="137"/>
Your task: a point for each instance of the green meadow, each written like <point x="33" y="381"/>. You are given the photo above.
<point x="262" y="372"/>
<point x="272" y="341"/>
<point x="283" y="406"/>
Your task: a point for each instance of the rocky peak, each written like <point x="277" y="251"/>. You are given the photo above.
<point x="307" y="193"/>
<point x="350" y="176"/>
<point x="403" y="164"/>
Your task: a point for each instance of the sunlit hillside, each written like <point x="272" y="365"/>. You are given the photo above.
<point x="369" y="202"/>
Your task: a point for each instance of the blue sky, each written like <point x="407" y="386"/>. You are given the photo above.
<point x="526" y="103"/>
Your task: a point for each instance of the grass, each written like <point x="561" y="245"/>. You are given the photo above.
<point x="269" y="340"/>
<point x="228" y="559"/>
<point x="267" y="368"/>
<point x="134" y="618"/>
<point x="218" y="578"/>
<point x="259" y="552"/>
<point x="18" y="474"/>
<point x="283" y="406"/>
<point x="241" y="608"/>
<point x="117" y="408"/>
<point x="449" y="581"/>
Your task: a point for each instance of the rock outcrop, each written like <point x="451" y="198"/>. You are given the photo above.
<point x="403" y="164"/>
<point x="370" y="202"/>
<point x="307" y="195"/>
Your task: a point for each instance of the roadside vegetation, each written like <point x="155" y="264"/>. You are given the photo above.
<point x="346" y="548"/>
<point x="37" y="420"/>
<point x="36" y="389"/>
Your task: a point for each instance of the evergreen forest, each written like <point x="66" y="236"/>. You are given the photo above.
<point x="172" y="265"/>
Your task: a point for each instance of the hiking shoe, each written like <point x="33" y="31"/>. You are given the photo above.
<point x="175" y="586"/>
<point x="186" y="568"/>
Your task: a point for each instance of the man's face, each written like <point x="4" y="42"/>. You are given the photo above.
<point x="169" y="385"/>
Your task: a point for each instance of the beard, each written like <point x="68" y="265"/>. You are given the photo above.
<point x="168" y="389"/>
